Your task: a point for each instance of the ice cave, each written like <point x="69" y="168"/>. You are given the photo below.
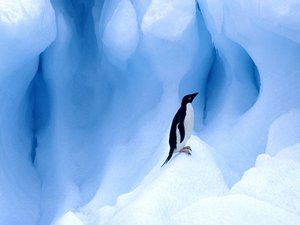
<point x="88" y="90"/>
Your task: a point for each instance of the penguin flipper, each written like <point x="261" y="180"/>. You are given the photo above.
<point x="181" y="131"/>
<point x="169" y="157"/>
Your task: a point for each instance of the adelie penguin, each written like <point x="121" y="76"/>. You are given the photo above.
<point x="182" y="126"/>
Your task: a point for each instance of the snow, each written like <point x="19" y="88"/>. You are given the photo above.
<point x="164" y="191"/>
<point x="88" y="90"/>
<point x="69" y="219"/>
<point x="234" y="209"/>
<point x="172" y="195"/>
<point x="277" y="172"/>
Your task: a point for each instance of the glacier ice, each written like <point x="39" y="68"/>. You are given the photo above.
<point x="27" y="29"/>
<point x="118" y="41"/>
<point x="88" y="90"/>
<point x="291" y="152"/>
<point x="277" y="86"/>
<point x="283" y="132"/>
<point x="168" y="19"/>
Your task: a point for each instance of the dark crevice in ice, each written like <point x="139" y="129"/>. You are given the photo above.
<point x="214" y="87"/>
<point x="39" y="101"/>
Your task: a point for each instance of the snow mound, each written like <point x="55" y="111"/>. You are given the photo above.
<point x="165" y="191"/>
<point x="280" y="173"/>
<point x="69" y="219"/>
<point x="233" y="210"/>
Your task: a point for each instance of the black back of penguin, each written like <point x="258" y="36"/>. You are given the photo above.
<point x="178" y="120"/>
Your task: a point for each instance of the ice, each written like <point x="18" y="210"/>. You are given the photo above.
<point x="284" y="132"/>
<point x="291" y="152"/>
<point x="272" y="87"/>
<point x="205" y="199"/>
<point x="144" y="95"/>
<point x="119" y="38"/>
<point x="233" y="209"/>
<point x="165" y="191"/>
<point x="286" y="14"/>
<point x="168" y="19"/>
<point x="274" y="180"/>
<point x="66" y="155"/>
<point x="174" y="52"/>
<point x="88" y="90"/>
<point x="27" y="28"/>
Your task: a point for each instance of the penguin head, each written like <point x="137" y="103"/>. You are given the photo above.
<point x="188" y="98"/>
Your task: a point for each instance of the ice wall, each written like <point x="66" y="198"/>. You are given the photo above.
<point x="272" y="48"/>
<point x="26" y="29"/>
<point x="108" y="95"/>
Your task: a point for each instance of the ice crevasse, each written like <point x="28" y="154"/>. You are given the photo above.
<point x="88" y="90"/>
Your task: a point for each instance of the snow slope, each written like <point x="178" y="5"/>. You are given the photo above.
<point x="191" y="190"/>
<point x="233" y="210"/>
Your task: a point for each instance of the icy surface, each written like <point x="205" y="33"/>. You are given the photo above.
<point x="284" y="132"/>
<point x="191" y="190"/>
<point x="167" y="190"/>
<point x="69" y="219"/>
<point x="119" y="38"/>
<point x="277" y="172"/>
<point x="88" y="90"/>
<point x="291" y="152"/>
<point x="168" y="19"/>
<point x="233" y="209"/>
<point x="243" y="26"/>
<point x="26" y="29"/>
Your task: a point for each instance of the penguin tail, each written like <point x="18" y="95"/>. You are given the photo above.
<point x="169" y="157"/>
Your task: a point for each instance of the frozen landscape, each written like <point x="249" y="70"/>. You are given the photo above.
<point x="88" y="91"/>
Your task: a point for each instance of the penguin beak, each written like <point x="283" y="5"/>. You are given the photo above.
<point x="194" y="95"/>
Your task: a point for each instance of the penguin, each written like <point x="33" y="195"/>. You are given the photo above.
<point x="182" y="126"/>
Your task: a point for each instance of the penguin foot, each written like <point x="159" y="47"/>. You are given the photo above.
<point x="186" y="149"/>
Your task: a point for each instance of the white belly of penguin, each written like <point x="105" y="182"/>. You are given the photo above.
<point x="188" y="126"/>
